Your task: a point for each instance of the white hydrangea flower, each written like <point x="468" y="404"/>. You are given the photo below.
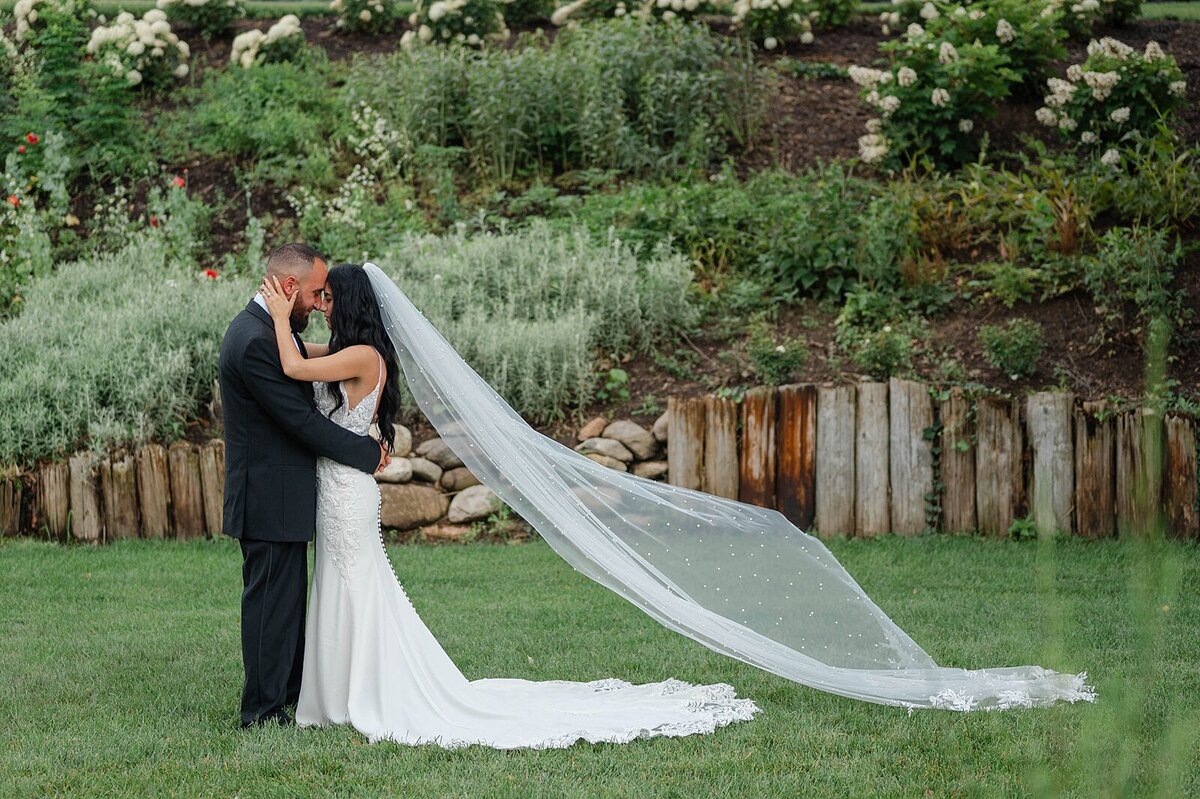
<point x="907" y="76"/>
<point x="1101" y="83"/>
<point x="866" y="77"/>
<point x="1067" y="123"/>
<point x="1120" y="115"/>
<point x="1075" y="73"/>
<point x="1005" y="32"/>
<point x="770" y="43"/>
<point x="929" y="12"/>
<point x="365" y="15"/>
<point x="890" y="104"/>
<point x="807" y="37"/>
<point x="1111" y="157"/>
<point x="915" y="31"/>
<point x="1089" y="137"/>
<point x="940" y="97"/>
<point x="947" y="54"/>
<point x="1153" y="51"/>
<point x="872" y="148"/>
<point x="1178" y="88"/>
<point x="966" y="125"/>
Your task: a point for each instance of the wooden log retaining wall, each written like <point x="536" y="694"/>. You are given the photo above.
<point x="857" y="460"/>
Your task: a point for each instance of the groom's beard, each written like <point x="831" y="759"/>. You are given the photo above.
<point x="300" y="323"/>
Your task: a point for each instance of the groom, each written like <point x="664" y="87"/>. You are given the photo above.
<point x="273" y="435"/>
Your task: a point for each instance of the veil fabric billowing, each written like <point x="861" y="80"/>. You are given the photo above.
<point x="740" y="579"/>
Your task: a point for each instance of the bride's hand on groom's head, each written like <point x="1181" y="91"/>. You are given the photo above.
<point x="278" y="303"/>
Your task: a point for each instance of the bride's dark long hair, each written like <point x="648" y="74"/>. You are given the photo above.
<point x="356" y="320"/>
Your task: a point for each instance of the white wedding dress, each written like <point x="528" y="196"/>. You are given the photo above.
<point x="370" y="661"/>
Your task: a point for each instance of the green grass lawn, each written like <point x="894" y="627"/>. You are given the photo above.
<point x="120" y="675"/>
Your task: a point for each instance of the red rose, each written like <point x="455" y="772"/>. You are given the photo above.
<point x="179" y="181"/>
<point x="13" y="201"/>
<point x="21" y="149"/>
<point x="211" y="274"/>
<point x="32" y="138"/>
<point x="153" y="220"/>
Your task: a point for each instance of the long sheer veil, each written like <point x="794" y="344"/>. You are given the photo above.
<point x="740" y="579"/>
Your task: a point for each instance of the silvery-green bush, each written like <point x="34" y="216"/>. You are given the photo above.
<point x="529" y="310"/>
<point x="122" y="348"/>
<point x="113" y="349"/>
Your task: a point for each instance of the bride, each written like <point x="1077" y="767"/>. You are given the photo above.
<point x="369" y="660"/>
<point x="740" y="579"/>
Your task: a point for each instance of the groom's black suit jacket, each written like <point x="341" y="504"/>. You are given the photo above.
<point x="273" y="435"/>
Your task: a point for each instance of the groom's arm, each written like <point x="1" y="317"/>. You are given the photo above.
<point x="283" y="399"/>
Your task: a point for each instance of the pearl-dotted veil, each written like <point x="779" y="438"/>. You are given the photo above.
<point x="739" y="579"/>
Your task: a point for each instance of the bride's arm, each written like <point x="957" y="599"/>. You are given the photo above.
<point x="356" y="361"/>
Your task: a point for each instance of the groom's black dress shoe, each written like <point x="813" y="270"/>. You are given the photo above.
<point x="277" y="718"/>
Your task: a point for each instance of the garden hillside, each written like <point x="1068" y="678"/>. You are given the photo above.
<point x="603" y="204"/>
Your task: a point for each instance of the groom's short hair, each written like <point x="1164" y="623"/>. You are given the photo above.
<point x="293" y="259"/>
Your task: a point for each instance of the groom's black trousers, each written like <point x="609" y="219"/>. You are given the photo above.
<point x="275" y="576"/>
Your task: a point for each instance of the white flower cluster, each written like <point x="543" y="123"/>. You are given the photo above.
<point x="1005" y="32"/>
<point x="1101" y="83"/>
<point x="255" y="47"/>
<point x="464" y="21"/>
<point x="27" y="13"/>
<point x="383" y="149"/>
<point x="366" y="14"/>
<point x="1113" y="48"/>
<point x="345" y="209"/>
<point x="1067" y="108"/>
<point x="138" y="49"/>
<point x="872" y="148"/>
<point x="774" y="19"/>
<point x="670" y="9"/>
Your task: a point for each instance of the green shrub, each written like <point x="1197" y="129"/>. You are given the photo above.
<point x="367" y="16"/>
<point x="283" y="41"/>
<point x="209" y="18"/>
<point x="931" y="98"/>
<point x="274" y="116"/>
<point x="123" y="50"/>
<point x="1115" y="92"/>
<point x="775" y="360"/>
<point x="463" y="22"/>
<point x="623" y="95"/>
<point x="523" y="13"/>
<point x="1013" y="349"/>
<point x="819" y="234"/>
<point x="1157" y="183"/>
<point x="1008" y="282"/>
<point x="883" y="354"/>
<point x="770" y="21"/>
<point x="1137" y="266"/>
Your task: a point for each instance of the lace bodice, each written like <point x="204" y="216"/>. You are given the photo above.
<point x="356" y="419"/>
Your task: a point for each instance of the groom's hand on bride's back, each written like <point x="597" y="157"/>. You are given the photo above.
<point x="384" y="458"/>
